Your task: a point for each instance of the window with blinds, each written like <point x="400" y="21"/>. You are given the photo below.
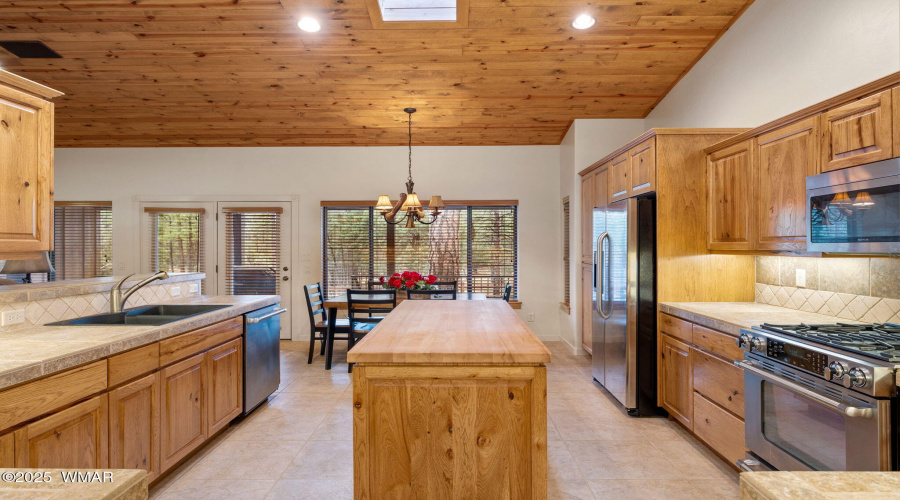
<point x="567" y="291"/>
<point x="82" y="240"/>
<point x="252" y="250"/>
<point x="474" y="245"/>
<point x="176" y="239"/>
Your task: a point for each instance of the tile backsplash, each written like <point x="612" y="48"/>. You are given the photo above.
<point x="855" y="288"/>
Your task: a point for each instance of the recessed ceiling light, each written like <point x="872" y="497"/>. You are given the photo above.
<point x="309" y="24"/>
<point x="583" y="22"/>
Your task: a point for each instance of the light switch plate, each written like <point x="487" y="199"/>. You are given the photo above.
<point x="801" y="278"/>
<point x="176" y="291"/>
<point x="530" y="316"/>
<point x="195" y="288"/>
<point x="12" y="317"/>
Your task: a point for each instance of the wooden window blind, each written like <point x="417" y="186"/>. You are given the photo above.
<point x="252" y="250"/>
<point x="474" y="245"/>
<point x="177" y="239"/>
<point x="82" y="241"/>
<point x="567" y="291"/>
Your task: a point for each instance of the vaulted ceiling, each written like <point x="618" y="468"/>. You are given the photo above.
<point x="240" y="72"/>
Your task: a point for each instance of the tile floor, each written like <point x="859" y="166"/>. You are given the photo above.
<point x="298" y="446"/>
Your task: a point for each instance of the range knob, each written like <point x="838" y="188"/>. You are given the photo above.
<point x="759" y="344"/>
<point x="744" y="341"/>
<point x="835" y="371"/>
<point x="856" y="377"/>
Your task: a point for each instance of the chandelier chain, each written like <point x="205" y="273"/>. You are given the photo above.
<point x="410" y="147"/>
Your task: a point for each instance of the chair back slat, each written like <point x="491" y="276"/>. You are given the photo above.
<point x="314" y="307"/>
<point x="446" y="285"/>
<point x="431" y="294"/>
<point x="362" y="304"/>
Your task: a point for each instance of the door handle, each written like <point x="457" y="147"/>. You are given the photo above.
<point x="603" y="274"/>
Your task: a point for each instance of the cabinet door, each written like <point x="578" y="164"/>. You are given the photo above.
<point x="226" y="388"/>
<point x="676" y="386"/>
<point x="618" y="177"/>
<point x="587" y="217"/>
<point x="601" y="188"/>
<point x="858" y="132"/>
<point x="26" y="172"/>
<point x="643" y="168"/>
<point x="75" y="438"/>
<point x="730" y="176"/>
<point x="785" y="157"/>
<point x="182" y="409"/>
<point x="7" y="451"/>
<point x="587" y="304"/>
<point x="895" y="104"/>
<point x="134" y="426"/>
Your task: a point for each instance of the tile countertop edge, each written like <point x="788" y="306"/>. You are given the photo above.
<point x="731" y="317"/>
<point x="704" y="320"/>
<point x="142" y="336"/>
<point x="128" y="484"/>
<point x="822" y="484"/>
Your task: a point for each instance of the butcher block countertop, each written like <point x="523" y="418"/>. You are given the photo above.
<point x="485" y="332"/>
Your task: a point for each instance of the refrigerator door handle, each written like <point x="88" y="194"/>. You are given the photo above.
<point x="602" y="274"/>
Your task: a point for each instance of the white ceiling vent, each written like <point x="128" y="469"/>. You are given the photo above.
<point x="417" y="10"/>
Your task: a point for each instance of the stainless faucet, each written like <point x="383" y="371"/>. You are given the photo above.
<point x="117" y="298"/>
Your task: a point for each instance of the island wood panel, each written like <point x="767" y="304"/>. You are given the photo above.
<point x="226" y="384"/>
<point x="450" y="432"/>
<point x="784" y="158"/>
<point x="858" y="132"/>
<point x="451" y="331"/>
<point x="183" y="405"/>
<point x="45" y="395"/>
<point x="133" y="363"/>
<point x="134" y="421"/>
<point x="7" y="451"/>
<point x="730" y="180"/>
<point x="75" y="438"/>
<point x="185" y="74"/>
<point x="201" y="339"/>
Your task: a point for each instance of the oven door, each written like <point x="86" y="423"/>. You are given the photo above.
<point x="795" y="422"/>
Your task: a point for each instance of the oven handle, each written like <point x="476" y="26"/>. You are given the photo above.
<point x="850" y="411"/>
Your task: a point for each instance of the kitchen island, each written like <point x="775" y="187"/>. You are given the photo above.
<point x="450" y="401"/>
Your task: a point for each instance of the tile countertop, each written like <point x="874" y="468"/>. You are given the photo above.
<point x="730" y="317"/>
<point x="95" y="484"/>
<point x="820" y="485"/>
<point x="37" y="351"/>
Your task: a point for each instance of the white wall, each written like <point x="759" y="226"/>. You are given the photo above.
<point x="529" y="174"/>
<point x="782" y="56"/>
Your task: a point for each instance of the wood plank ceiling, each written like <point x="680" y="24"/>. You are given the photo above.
<point x="240" y="72"/>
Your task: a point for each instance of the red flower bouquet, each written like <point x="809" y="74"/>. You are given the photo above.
<point x="408" y="280"/>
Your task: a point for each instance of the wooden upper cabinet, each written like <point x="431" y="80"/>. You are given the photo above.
<point x="26" y="166"/>
<point x="676" y="386"/>
<point x="601" y="188"/>
<point x="226" y="387"/>
<point x="134" y="426"/>
<point x="587" y="210"/>
<point x="183" y="424"/>
<point x="730" y="179"/>
<point x="75" y="438"/>
<point x="784" y="157"/>
<point x="642" y="178"/>
<point x="858" y="132"/>
<point x="618" y="177"/>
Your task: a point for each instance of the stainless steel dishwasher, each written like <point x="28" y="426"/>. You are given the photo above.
<point x="262" y="367"/>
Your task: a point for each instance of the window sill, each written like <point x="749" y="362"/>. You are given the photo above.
<point x="565" y="307"/>
<point x="515" y="304"/>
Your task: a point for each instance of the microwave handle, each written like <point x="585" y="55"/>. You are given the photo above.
<point x="850" y="411"/>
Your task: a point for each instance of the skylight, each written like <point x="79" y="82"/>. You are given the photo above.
<point x="417" y="10"/>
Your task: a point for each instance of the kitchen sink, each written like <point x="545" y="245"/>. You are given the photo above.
<point x="145" y="315"/>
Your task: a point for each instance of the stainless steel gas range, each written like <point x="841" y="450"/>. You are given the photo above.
<point x="821" y="397"/>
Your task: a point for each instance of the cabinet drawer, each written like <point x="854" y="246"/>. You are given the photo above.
<point x="183" y="346"/>
<point x="722" y="431"/>
<point x="717" y="342"/>
<point x="675" y="327"/>
<point x="133" y="364"/>
<point x="719" y="381"/>
<point x="45" y="395"/>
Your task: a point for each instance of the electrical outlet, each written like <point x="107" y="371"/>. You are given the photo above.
<point x="530" y="316"/>
<point x="176" y="291"/>
<point x="801" y="278"/>
<point x="12" y="317"/>
<point x="195" y="288"/>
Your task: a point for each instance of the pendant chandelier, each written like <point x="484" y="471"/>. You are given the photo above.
<point x="408" y="202"/>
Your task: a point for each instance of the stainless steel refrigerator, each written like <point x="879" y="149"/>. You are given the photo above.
<point x="624" y="302"/>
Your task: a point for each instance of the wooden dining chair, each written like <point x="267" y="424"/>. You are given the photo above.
<point x="446" y="285"/>
<point x="365" y="309"/>
<point x="318" y="327"/>
<point x="436" y="294"/>
<point x="507" y="292"/>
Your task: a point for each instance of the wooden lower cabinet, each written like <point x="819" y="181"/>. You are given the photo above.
<point x="721" y="430"/>
<point x="74" y="438"/>
<point x="7" y="451"/>
<point x="587" y="306"/>
<point x="676" y="386"/>
<point x="183" y="423"/>
<point x="720" y="381"/>
<point x="134" y="426"/>
<point x="226" y="388"/>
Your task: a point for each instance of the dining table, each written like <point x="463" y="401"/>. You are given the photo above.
<point x="339" y="302"/>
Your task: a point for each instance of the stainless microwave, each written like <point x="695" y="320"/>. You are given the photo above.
<point x="855" y="210"/>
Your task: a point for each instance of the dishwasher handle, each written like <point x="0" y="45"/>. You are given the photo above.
<point x="267" y="316"/>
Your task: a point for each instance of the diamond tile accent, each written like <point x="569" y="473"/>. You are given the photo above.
<point x="848" y="306"/>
